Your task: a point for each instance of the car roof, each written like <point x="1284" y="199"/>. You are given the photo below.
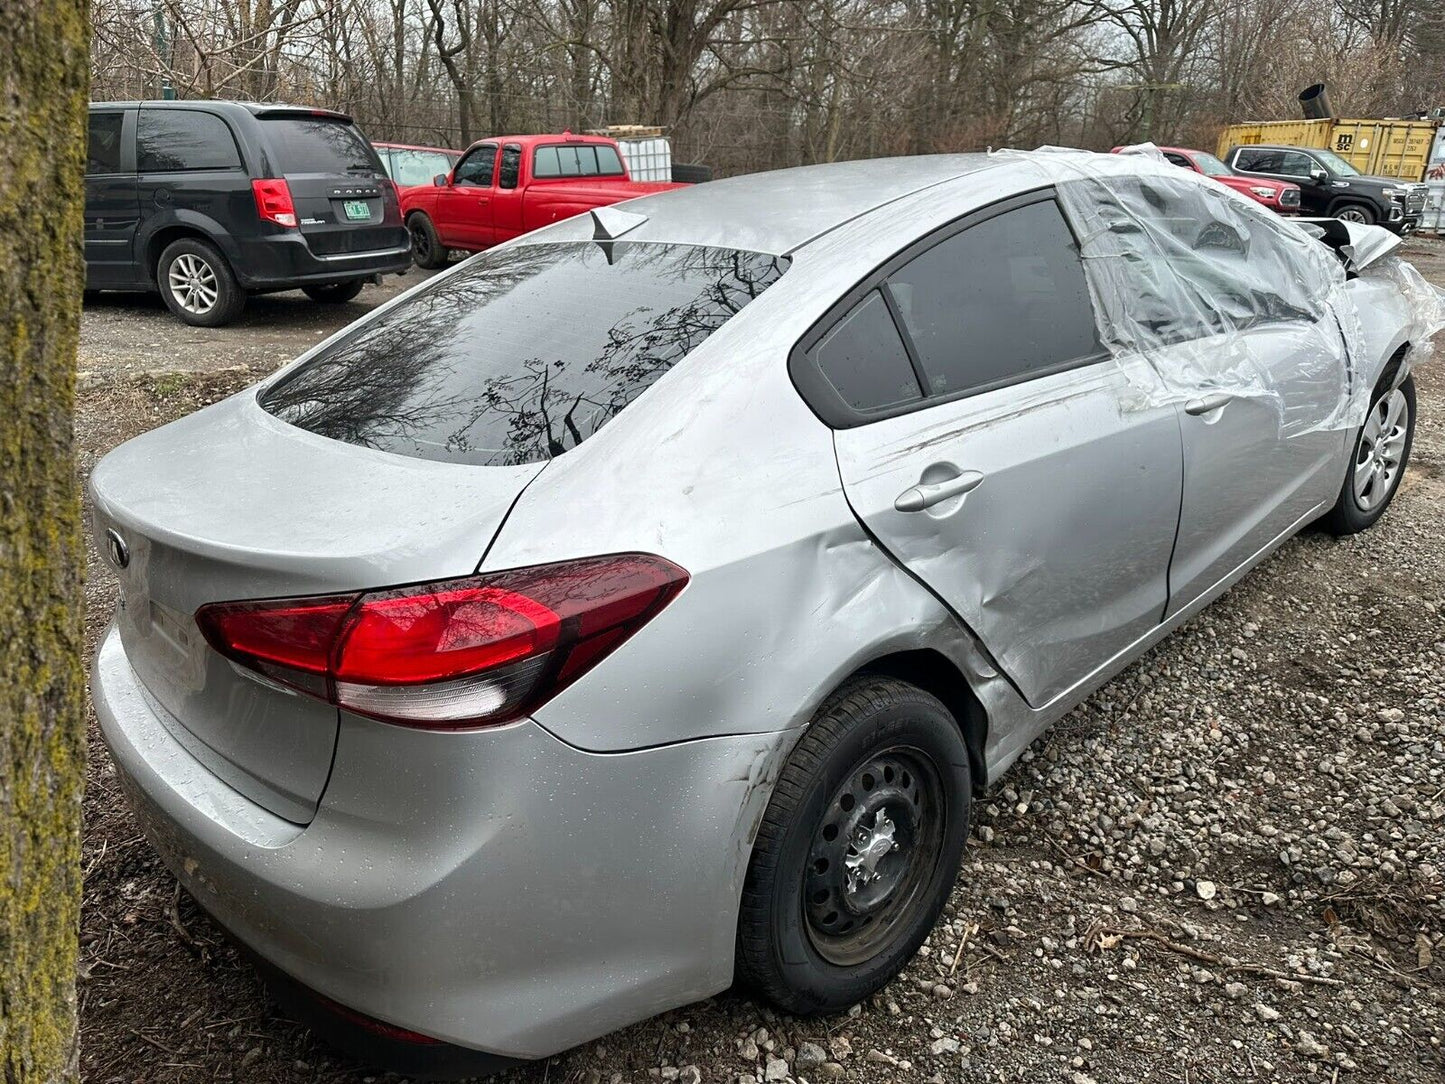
<point x="258" y="109"/>
<point x="544" y="137"/>
<point x="780" y="210"/>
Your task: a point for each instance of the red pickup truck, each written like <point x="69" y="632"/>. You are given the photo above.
<point x="1279" y="196"/>
<point x="509" y="185"/>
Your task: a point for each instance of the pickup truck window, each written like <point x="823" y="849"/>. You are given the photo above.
<point x="511" y="166"/>
<point x="577" y="160"/>
<point x="1276" y="162"/>
<point x="523" y="353"/>
<point x="476" y="168"/>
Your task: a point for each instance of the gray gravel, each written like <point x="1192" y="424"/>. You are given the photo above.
<point x="1226" y="865"/>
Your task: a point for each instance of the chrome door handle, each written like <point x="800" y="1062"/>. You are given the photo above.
<point x="1206" y="403"/>
<point x="917" y="498"/>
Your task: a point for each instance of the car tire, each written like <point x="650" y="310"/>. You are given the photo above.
<point x="830" y="913"/>
<point x="1381" y="454"/>
<point x="197" y="285"/>
<point x="427" y="250"/>
<point x="334" y="293"/>
<point x="1356" y="212"/>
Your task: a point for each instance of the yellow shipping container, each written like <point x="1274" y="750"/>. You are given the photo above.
<point x="1387" y="148"/>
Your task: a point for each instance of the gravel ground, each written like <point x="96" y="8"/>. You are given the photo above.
<point x="1226" y="865"/>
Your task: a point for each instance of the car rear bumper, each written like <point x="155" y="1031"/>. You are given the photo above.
<point x="498" y="890"/>
<point x="285" y="260"/>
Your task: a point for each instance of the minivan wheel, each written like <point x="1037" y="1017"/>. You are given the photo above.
<point x="334" y="293"/>
<point x="858" y="848"/>
<point x="1382" y="452"/>
<point x="197" y="285"/>
<point x="1355" y="212"/>
<point x="426" y="247"/>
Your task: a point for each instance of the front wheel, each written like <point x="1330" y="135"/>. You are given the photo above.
<point x="858" y="849"/>
<point x="334" y="293"/>
<point x="427" y="250"/>
<point x="1356" y="212"/>
<point x="1382" y="451"/>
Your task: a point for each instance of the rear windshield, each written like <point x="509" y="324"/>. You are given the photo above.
<point x="318" y="145"/>
<point x="409" y="167"/>
<point x="577" y="160"/>
<point x="522" y="353"/>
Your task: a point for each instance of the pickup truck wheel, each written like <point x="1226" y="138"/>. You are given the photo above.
<point x="334" y="293"/>
<point x="1356" y="212"/>
<point x="426" y="247"/>
<point x="197" y="285"/>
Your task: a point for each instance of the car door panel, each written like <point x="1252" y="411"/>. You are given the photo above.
<point x="1057" y="557"/>
<point x="464" y="206"/>
<point x="112" y="201"/>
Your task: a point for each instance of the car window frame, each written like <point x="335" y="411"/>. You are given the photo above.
<point x="126" y="166"/>
<point x="509" y="148"/>
<point x="825" y="401"/>
<point x="239" y="167"/>
<point x="478" y="149"/>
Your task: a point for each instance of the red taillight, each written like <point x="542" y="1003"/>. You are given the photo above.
<point x="273" y="201"/>
<point x="471" y="652"/>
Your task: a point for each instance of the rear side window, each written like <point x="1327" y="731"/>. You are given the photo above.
<point x="102" y="153"/>
<point x="317" y="145"/>
<point x="1001" y="300"/>
<point x="175" y="140"/>
<point x="1259" y="161"/>
<point x="864" y="358"/>
<point x="523" y="353"/>
<point x="511" y="166"/>
<point x="577" y="160"/>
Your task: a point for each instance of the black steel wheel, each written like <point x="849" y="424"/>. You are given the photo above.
<point x="858" y="848"/>
<point x="427" y="250"/>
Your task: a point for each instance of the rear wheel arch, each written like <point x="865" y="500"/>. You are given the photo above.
<point x="166" y="236"/>
<point x="937" y="675"/>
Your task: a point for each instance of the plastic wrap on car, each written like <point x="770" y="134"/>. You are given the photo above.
<point x="1426" y="306"/>
<point x="1189" y="275"/>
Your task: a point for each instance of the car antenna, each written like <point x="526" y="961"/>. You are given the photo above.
<point x="608" y="224"/>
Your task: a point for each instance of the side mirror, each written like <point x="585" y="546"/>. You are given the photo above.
<point x="440" y="180"/>
<point x="1318" y="176"/>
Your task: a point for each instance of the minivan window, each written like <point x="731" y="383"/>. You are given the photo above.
<point x="523" y="353"/>
<point x="864" y="358"/>
<point x="318" y="145"/>
<point x="577" y="160"/>
<point x="102" y="153"/>
<point x="1000" y="300"/>
<point x="175" y="140"/>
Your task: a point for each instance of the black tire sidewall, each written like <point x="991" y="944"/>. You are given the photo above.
<point x="1347" y="517"/>
<point x="334" y="293"/>
<point x="436" y="255"/>
<point x="812" y="983"/>
<point x="230" y="299"/>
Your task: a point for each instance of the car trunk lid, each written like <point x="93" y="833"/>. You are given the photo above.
<point x="232" y="503"/>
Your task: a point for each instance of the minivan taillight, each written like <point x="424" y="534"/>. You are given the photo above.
<point x="460" y="653"/>
<point x="273" y="201"/>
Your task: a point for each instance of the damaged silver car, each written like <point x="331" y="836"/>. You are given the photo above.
<point x="638" y="607"/>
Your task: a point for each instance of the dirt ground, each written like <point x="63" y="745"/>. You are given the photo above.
<point x="1226" y="865"/>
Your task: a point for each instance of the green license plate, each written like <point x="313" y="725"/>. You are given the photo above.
<point x="356" y="210"/>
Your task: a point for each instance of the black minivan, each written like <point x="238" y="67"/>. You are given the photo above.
<point x="206" y="201"/>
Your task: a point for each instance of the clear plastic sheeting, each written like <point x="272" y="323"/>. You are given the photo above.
<point x="1426" y="306"/>
<point x="1215" y="293"/>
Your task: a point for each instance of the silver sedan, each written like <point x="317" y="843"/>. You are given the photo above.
<point x="639" y="606"/>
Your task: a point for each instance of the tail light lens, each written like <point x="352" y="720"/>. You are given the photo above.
<point x="273" y="201"/>
<point x="471" y="652"/>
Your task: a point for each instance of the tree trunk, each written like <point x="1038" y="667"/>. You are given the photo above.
<point x="44" y="71"/>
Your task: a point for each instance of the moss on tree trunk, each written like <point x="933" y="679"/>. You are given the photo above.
<point x="43" y="80"/>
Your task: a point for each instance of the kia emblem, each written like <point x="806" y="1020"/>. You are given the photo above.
<point x="116" y="547"/>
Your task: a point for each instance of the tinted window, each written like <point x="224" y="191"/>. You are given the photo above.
<point x="475" y="168"/>
<point x="317" y="145"/>
<point x="1259" y="161"/>
<point x="1178" y="160"/>
<point x="865" y="360"/>
<point x="409" y="167"/>
<point x="523" y="353"/>
<point x="511" y="166"/>
<point x="997" y="301"/>
<point x="577" y="160"/>
<point x="1293" y="164"/>
<point x="103" y="150"/>
<point x="170" y="140"/>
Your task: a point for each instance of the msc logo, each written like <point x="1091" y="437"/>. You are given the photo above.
<point x="1345" y="141"/>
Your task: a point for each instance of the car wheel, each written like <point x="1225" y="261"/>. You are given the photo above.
<point x="426" y="247"/>
<point x="334" y="293"/>
<point x="1356" y="212"/>
<point x="197" y="285"/>
<point x="857" y="850"/>
<point x="1382" y="451"/>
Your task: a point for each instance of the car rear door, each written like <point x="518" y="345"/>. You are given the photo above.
<point x="982" y="438"/>
<point x="188" y="165"/>
<point x="464" y="206"/>
<point x="345" y="203"/>
<point x="112" y="206"/>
